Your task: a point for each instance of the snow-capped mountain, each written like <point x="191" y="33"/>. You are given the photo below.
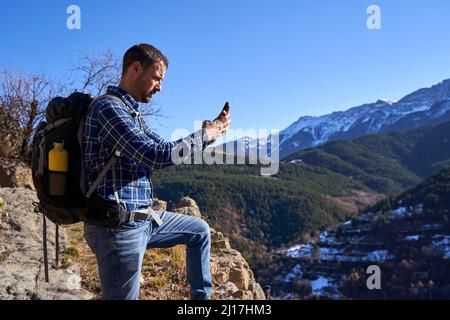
<point x="427" y="106"/>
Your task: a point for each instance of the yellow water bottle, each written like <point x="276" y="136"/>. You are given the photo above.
<point x="58" y="164"/>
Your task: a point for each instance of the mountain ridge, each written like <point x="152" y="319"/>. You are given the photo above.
<point x="425" y="106"/>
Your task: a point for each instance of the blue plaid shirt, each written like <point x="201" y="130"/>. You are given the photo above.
<point x="110" y="127"/>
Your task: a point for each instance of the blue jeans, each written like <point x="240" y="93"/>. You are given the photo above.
<point x="120" y="252"/>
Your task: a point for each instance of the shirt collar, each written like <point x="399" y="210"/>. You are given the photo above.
<point x="119" y="92"/>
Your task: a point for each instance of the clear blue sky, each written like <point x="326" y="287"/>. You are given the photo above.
<point x="273" y="60"/>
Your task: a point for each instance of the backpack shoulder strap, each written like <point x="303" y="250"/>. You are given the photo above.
<point x="112" y="161"/>
<point x="134" y="113"/>
<point x="81" y="125"/>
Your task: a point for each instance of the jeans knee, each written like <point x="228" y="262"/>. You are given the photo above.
<point x="204" y="230"/>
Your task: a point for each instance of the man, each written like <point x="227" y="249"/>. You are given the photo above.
<point x="115" y="125"/>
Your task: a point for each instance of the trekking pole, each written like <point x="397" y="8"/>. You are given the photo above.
<point x="44" y="230"/>
<point x="57" y="246"/>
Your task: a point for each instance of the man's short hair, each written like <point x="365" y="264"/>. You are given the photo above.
<point x="146" y="54"/>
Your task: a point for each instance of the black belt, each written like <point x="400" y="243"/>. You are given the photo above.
<point x="111" y="214"/>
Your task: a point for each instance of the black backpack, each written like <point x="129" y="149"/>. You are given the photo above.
<point x="64" y="122"/>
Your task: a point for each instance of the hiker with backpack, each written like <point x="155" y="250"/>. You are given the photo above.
<point x="111" y="154"/>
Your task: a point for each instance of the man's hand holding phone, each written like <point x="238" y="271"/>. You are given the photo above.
<point x="219" y="126"/>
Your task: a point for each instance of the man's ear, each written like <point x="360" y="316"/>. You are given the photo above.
<point x="136" y="67"/>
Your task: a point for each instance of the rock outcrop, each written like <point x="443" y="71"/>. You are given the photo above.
<point x="21" y="256"/>
<point x="21" y="253"/>
<point x="188" y="206"/>
<point x="232" y="276"/>
<point x="15" y="174"/>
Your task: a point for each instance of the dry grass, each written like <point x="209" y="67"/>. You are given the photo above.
<point x="355" y="200"/>
<point x="164" y="274"/>
<point x="2" y="205"/>
<point x="163" y="270"/>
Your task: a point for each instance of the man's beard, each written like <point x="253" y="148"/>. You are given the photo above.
<point x="147" y="99"/>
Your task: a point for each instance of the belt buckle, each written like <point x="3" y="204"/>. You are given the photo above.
<point x="155" y="216"/>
